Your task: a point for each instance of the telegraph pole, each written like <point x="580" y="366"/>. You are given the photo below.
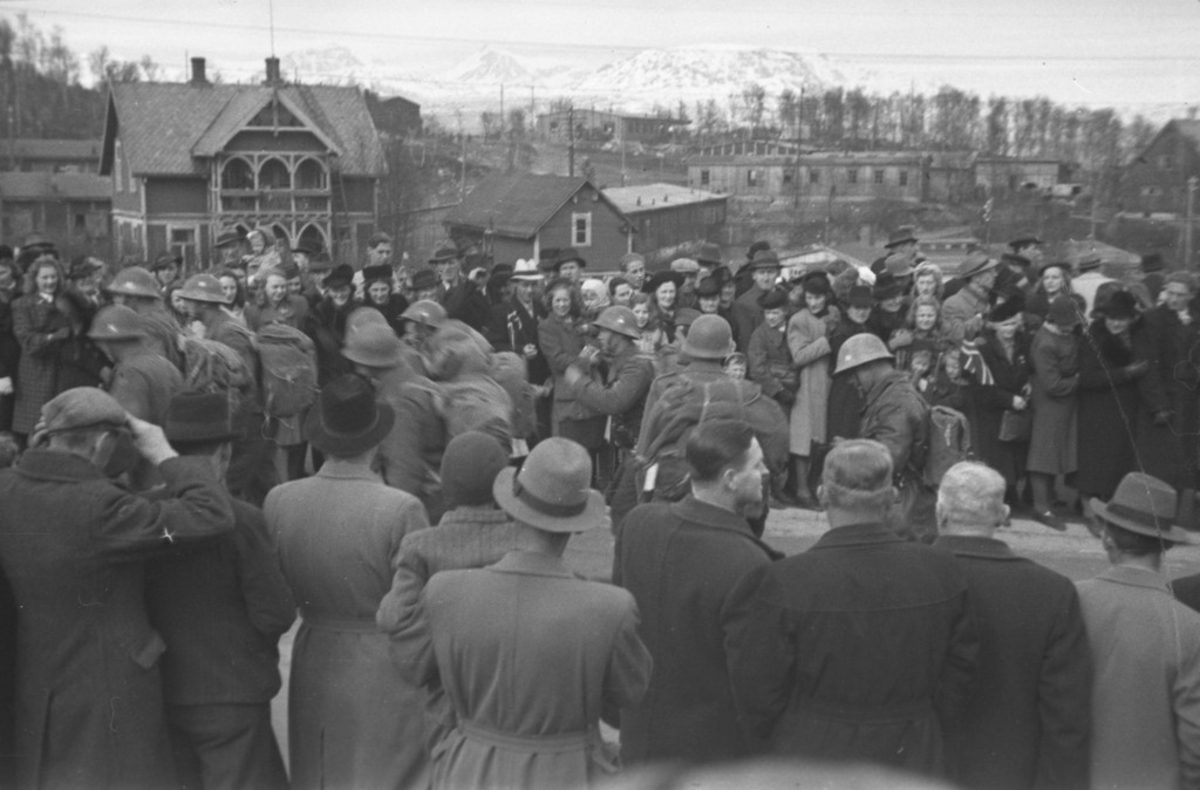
<point x="571" y="141"/>
<point x="1187" y="229"/>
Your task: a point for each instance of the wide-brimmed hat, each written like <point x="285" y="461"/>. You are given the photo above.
<point x="346" y="419"/>
<point x="116" y="322"/>
<point x="898" y="265"/>
<point x="569" y="255"/>
<point x="1120" y="304"/>
<point x="374" y="345"/>
<point x="199" y="417"/>
<point x="1067" y="268"/>
<point x="1014" y="305"/>
<point x="423" y="280"/>
<point x="203" y="288"/>
<point x="526" y="270"/>
<point x="444" y="254"/>
<point x="860" y="296"/>
<point x="764" y="259"/>
<point x="756" y="248"/>
<point x="709" y="255"/>
<point x="774" y="299"/>
<point x="227" y="237"/>
<point x="887" y="287"/>
<point x="552" y="490"/>
<point x="1024" y="239"/>
<point x="653" y="282"/>
<point x="1089" y="260"/>
<point x="341" y="276"/>
<point x="977" y="262"/>
<point x="708" y="287"/>
<point x="901" y="235"/>
<point x="1144" y="505"/>
<point x="376" y="273"/>
<point x="685" y="265"/>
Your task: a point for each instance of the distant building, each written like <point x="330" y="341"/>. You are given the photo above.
<point x="50" y="156"/>
<point x="994" y="174"/>
<point x="666" y="217"/>
<point x="73" y="209"/>
<point x="777" y="170"/>
<point x="395" y="115"/>
<point x="533" y="216"/>
<point x="188" y="160"/>
<point x="1155" y="182"/>
<point x="598" y="125"/>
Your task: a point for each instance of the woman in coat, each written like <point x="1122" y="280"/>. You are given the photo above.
<point x="377" y="293"/>
<point x="561" y="337"/>
<point x="1052" y="450"/>
<point x="1005" y="351"/>
<point x="275" y="304"/>
<point x="808" y="342"/>
<point x="43" y="327"/>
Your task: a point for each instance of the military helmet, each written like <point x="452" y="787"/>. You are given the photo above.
<point x="709" y="338"/>
<point x="425" y="312"/>
<point x="203" y="288"/>
<point x="116" y="322"/>
<point x="620" y="320"/>
<point x="135" y="281"/>
<point x="859" y="350"/>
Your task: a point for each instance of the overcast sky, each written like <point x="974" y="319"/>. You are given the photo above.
<point x="1124" y="52"/>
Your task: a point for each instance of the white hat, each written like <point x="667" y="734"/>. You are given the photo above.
<point x="526" y="269"/>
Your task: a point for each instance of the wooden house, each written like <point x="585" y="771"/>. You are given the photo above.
<point x="1155" y="182"/>
<point x="667" y="217"/>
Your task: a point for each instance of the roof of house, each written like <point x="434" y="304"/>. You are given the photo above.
<point x="655" y="197"/>
<point x="518" y="205"/>
<point x="55" y="186"/>
<point x="169" y="128"/>
<point x="813" y="158"/>
<point x="29" y="148"/>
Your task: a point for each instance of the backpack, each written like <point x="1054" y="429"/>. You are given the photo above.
<point x="948" y="442"/>
<point x="211" y="366"/>
<point x="287" y="359"/>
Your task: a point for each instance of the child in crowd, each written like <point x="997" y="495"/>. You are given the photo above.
<point x="735" y="365"/>
<point x="949" y="387"/>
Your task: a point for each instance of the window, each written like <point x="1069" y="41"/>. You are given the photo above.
<point x="274" y="175"/>
<point x="788" y="177"/>
<point x="118" y="167"/>
<point x="814" y="175"/>
<point x="581" y="229"/>
<point x="311" y="175"/>
<point x="704" y="175"/>
<point x="80" y="221"/>
<point x="752" y="177"/>
<point x="852" y="175"/>
<point x="182" y="241"/>
<point x="237" y="175"/>
<point x="878" y="176"/>
<point x="903" y="178"/>
<point x="1166" y="162"/>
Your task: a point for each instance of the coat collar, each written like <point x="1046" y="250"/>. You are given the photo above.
<point x="339" y="469"/>
<point x="57" y="465"/>
<point x="703" y="514"/>
<point x="1135" y="577"/>
<point x="976" y="546"/>
<point x="857" y="535"/>
<point x="475" y="515"/>
<point x="529" y="563"/>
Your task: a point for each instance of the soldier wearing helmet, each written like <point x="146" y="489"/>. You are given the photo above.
<point x="620" y="394"/>
<point x="896" y="415"/>
<point x="422" y="319"/>
<point x="138" y="289"/>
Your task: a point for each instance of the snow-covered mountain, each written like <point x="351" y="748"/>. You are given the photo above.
<point x="330" y="66"/>
<point x="489" y="68"/>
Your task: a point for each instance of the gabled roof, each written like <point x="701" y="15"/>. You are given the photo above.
<point x="518" y="205"/>
<point x="1188" y="128"/>
<point x="647" y="197"/>
<point x="168" y="128"/>
<point x="55" y="186"/>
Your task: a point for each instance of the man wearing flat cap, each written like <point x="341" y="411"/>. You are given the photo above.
<point x="1145" y="645"/>
<point x="747" y="312"/>
<point x="530" y="655"/>
<point x="89" y="707"/>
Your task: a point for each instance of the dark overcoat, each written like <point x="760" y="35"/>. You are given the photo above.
<point x="767" y="356"/>
<point x="1028" y="722"/>
<point x="72" y="544"/>
<point x="561" y="340"/>
<point x="35" y="321"/>
<point x="1108" y="409"/>
<point x="680" y="561"/>
<point x="1009" y="378"/>
<point x="861" y="649"/>
<point x="1055" y="361"/>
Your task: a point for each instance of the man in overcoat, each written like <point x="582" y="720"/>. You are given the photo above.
<point x="72" y="544"/>
<point x="747" y="312"/>
<point x="681" y="561"/>
<point x="353" y="721"/>
<point x="861" y="649"/>
<point x="1028" y="722"/>
<point x="530" y="655"/>
<point x="221" y="607"/>
<point x="1145" y="645"/>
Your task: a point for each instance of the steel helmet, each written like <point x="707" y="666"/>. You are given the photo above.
<point x="375" y="345"/>
<point x="116" y="322"/>
<point x="135" y="281"/>
<point x="425" y="312"/>
<point x="203" y="288"/>
<point x="859" y="350"/>
<point x="709" y="338"/>
<point x="620" y="320"/>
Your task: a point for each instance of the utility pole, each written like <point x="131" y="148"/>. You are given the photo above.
<point x="571" y="141"/>
<point x="502" y="111"/>
<point x="1096" y="199"/>
<point x="1187" y="230"/>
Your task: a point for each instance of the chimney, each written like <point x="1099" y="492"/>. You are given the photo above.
<point x="198" y="75"/>
<point x="273" y="77"/>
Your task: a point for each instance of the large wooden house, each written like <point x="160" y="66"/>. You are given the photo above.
<point x="190" y="160"/>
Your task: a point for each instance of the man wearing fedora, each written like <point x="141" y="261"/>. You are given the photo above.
<point x="221" y="606"/>
<point x="462" y="298"/>
<point x="89" y="706"/>
<point x="1145" y="645"/>
<point x="569" y="265"/>
<point x="353" y="721"/>
<point x="523" y="313"/>
<point x="901" y="243"/>
<point x="530" y="655"/>
<point x="747" y="312"/>
<point x="1028" y="721"/>
<point x="965" y="313"/>
<point x="681" y="561"/>
<point x="230" y="247"/>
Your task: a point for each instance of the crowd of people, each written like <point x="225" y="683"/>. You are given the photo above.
<point x="406" y="474"/>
